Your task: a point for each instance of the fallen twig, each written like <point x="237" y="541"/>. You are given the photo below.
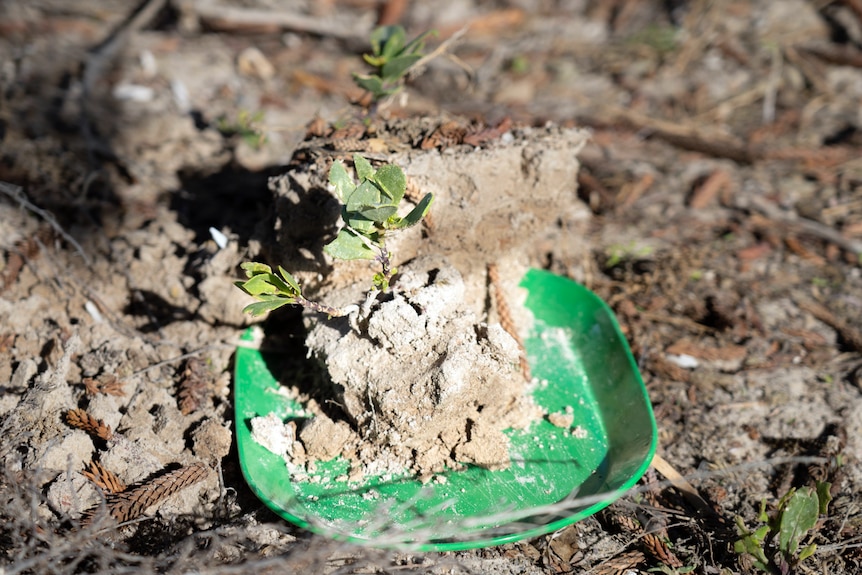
<point x="17" y="194"/>
<point x="686" y="136"/>
<point x="706" y="191"/>
<point x="832" y="53"/>
<point x="228" y="17"/>
<point x="805" y="225"/>
<point x="851" y="335"/>
<point x="682" y="485"/>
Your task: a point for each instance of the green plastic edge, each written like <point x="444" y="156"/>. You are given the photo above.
<point x="534" y="281"/>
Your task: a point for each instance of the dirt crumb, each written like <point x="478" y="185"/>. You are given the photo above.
<point x="270" y="432"/>
<point x="487" y="447"/>
<point x="211" y="441"/>
<point x="323" y="438"/>
<point x="562" y="419"/>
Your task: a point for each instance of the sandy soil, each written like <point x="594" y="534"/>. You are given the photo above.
<point x="718" y="211"/>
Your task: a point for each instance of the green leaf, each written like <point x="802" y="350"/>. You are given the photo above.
<point x="392" y="182"/>
<point x="364" y="169"/>
<point x="380" y="282"/>
<point x="751" y="546"/>
<point x="372" y="83"/>
<point x="366" y="195"/>
<point x="395" y="68"/>
<point x="341" y="180"/>
<point x="254" y="268"/>
<point x="797" y="518"/>
<point x="393" y="41"/>
<point x="416" y="214"/>
<point x="416" y="45"/>
<point x="763" y="515"/>
<point x="260" y="284"/>
<point x="824" y="496"/>
<point x="261" y="307"/>
<point x="348" y="246"/>
<point x="376" y="61"/>
<point x="807" y="551"/>
<point x="291" y="281"/>
<point x="378" y="214"/>
<point x="378" y="38"/>
<point x="360" y="223"/>
<point x="280" y="285"/>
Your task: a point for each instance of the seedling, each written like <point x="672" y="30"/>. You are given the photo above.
<point x="796" y="515"/>
<point x="391" y="58"/>
<point x="247" y="126"/>
<point x="618" y="253"/>
<point x="369" y="211"/>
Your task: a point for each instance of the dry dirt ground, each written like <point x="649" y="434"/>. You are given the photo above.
<point x="721" y="202"/>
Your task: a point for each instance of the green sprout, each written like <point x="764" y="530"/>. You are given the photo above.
<point x="618" y="253"/>
<point x="392" y="59"/>
<point x="369" y="212"/>
<point x="247" y="126"/>
<point x="776" y="545"/>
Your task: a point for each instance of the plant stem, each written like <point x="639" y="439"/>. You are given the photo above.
<point x="386" y="263"/>
<point x="319" y="307"/>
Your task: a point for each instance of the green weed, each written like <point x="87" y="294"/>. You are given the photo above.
<point x="777" y="544"/>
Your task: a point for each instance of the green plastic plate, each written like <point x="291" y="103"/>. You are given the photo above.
<point x="558" y="476"/>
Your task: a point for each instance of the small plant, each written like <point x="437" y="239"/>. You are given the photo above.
<point x="369" y="212"/>
<point x="618" y="253"/>
<point x="247" y="126"/>
<point x="391" y="58"/>
<point x="796" y="515"/>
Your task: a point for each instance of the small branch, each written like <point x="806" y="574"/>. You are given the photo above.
<point x="850" y="335"/>
<point x="806" y="225"/>
<point x="198" y="351"/>
<point x="415" y="69"/>
<point x="385" y="263"/>
<point x="319" y="307"/>
<point x="226" y="17"/>
<point x="17" y="194"/>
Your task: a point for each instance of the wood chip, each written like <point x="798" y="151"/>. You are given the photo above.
<point x="727" y="352"/>
<point x="704" y="194"/>
<point x="620" y="564"/>
<point x="632" y="192"/>
<point x="851" y="336"/>
<point x="681" y="484"/>
<point x="795" y="246"/>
